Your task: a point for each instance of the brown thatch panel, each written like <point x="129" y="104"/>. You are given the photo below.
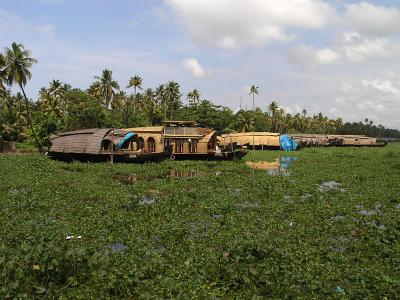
<point x="93" y="144"/>
<point x="260" y="139"/>
<point x="81" y="131"/>
<point x="80" y="141"/>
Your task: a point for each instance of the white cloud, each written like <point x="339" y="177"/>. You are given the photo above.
<point x="310" y="57"/>
<point x="193" y="66"/>
<point x="371" y="19"/>
<point x="358" y="48"/>
<point x="349" y="47"/>
<point x="237" y="23"/>
<point x="376" y="99"/>
<point x="294" y="109"/>
<point x="383" y="86"/>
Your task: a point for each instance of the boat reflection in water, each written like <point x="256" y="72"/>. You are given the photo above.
<point x="279" y="167"/>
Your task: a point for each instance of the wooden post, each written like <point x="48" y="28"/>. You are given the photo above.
<point x="112" y="147"/>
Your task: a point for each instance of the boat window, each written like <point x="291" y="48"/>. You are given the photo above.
<point x="211" y="144"/>
<point x="151" y="144"/>
<point x="179" y="145"/>
<point x="106" y="145"/>
<point x="193" y="146"/>
<point x="140" y="143"/>
<point x="181" y="130"/>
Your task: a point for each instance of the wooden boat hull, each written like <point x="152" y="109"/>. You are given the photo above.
<point x="118" y="158"/>
<point x="235" y="155"/>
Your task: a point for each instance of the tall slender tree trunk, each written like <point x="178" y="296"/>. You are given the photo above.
<point x="165" y="109"/>
<point x="254" y="121"/>
<point x="127" y="114"/>
<point x="134" y="105"/>
<point x="30" y="123"/>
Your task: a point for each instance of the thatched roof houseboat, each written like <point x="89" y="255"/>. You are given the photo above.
<point x="262" y="140"/>
<point x="98" y="144"/>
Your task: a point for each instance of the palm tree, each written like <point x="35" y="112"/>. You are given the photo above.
<point x="135" y="82"/>
<point x="58" y="90"/>
<point x="161" y="99"/>
<point x="281" y="113"/>
<point x="172" y="96"/>
<point x="106" y="86"/>
<point x="253" y="91"/>
<point x="193" y="97"/>
<point x="17" y="62"/>
<point x="244" y="121"/>
<point x="2" y="74"/>
<point x="150" y="105"/>
<point x="51" y="105"/>
<point x="95" y="90"/>
<point x="273" y="108"/>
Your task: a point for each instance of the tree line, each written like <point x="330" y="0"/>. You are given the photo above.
<point x="60" y="107"/>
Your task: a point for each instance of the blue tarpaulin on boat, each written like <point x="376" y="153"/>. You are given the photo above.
<point x="287" y="144"/>
<point x="121" y="142"/>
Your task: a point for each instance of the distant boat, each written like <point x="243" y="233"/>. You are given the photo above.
<point x="325" y="140"/>
<point x="258" y="140"/>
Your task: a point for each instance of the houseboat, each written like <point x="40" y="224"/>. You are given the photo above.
<point x="256" y="140"/>
<point x="317" y="140"/>
<point x="184" y="139"/>
<point x="100" y="145"/>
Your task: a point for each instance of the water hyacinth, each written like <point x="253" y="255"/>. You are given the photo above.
<point x="78" y="230"/>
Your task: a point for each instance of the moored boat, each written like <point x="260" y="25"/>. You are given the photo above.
<point x="99" y="145"/>
<point x="186" y="140"/>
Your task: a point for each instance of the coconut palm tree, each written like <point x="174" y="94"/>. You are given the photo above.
<point x="17" y="62"/>
<point x="106" y="86"/>
<point x="94" y="89"/>
<point x="193" y="97"/>
<point x="253" y="91"/>
<point x="172" y="96"/>
<point x="244" y="121"/>
<point x="51" y="105"/>
<point x="122" y="103"/>
<point x="273" y="109"/>
<point x="150" y="105"/>
<point x="161" y="99"/>
<point x="58" y="90"/>
<point x="135" y="82"/>
<point x="2" y="74"/>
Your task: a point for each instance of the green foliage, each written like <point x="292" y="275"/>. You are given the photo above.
<point x="84" y="111"/>
<point x="238" y="234"/>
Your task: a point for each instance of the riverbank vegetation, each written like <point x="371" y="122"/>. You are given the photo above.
<point x="108" y="103"/>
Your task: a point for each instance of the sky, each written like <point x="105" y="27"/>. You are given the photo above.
<point x="337" y="57"/>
